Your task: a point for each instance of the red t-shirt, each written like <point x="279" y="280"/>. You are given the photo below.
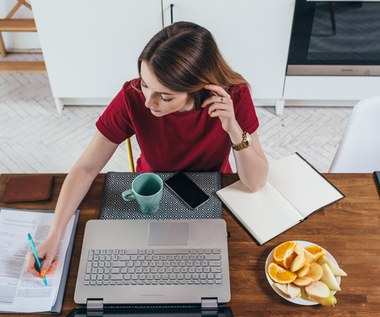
<point x="180" y="141"/>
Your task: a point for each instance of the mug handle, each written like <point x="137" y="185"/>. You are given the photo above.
<point x="128" y="195"/>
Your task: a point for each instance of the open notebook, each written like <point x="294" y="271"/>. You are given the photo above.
<point x="293" y="191"/>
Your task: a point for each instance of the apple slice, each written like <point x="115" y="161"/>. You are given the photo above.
<point x="303" y="281"/>
<point x="299" y="261"/>
<point x="289" y="290"/>
<point x="283" y="288"/>
<point x="308" y="256"/>
<point x="294" y="290"/>
<point x="329" y="301"/>
<point x="320" y="292"/>
<point x="328" y="278"/>
<point x="316" y="271"/>
<point x="304" y="271"/>
<point x="337" y="271"/>
<point x="303" y="294"/>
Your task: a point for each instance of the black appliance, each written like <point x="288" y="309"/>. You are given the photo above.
<point x="339" y="38"/>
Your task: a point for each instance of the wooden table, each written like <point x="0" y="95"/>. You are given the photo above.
<point x="349" y="229"/>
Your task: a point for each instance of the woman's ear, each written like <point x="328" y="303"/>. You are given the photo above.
<point x="204" y="93"/>
<point x="199" y="96"/>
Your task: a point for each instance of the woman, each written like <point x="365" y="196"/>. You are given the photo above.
<point x="187" y="109"/>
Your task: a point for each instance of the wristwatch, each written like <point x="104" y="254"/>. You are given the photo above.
<point x="244" y="143"/>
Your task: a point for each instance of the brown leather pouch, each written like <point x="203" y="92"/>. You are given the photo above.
<point x="20" y="188"/>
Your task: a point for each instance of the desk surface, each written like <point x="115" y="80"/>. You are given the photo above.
<point x="348" y="229"/>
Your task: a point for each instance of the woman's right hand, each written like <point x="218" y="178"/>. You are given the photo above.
<point x="47" y="251"/>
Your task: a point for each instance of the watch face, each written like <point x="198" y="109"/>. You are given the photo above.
<point x="249" y="139"/>
<point x="244" y="143"/>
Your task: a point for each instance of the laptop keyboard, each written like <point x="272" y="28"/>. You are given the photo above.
<point x="154" y="267"/>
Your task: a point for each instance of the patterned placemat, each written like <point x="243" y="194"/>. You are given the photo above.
<point x="171" y="207"/>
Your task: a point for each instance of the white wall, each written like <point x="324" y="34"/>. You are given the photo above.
<point x="18" y="40"/>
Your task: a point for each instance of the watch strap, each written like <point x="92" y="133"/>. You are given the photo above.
<point x="243" y="144"/>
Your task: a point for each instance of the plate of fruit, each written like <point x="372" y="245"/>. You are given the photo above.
<point x="304" y="273"/>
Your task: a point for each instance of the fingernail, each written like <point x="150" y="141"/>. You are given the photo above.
<point x="55" y="262"/>
<point x="43" y="272"/>
<point x="205" y="86"/>
<point x="51" y="270"/>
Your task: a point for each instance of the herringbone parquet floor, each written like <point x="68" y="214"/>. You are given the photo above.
<point x="35" y="138"/>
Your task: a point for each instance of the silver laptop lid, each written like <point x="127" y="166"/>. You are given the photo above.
<point x="165" y="246"/>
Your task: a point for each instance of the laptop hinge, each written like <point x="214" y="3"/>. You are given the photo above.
<point x="95" y="306"/>
<point x="209" y="305"/>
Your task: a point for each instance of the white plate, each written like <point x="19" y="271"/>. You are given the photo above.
<point x="297" y="300"/>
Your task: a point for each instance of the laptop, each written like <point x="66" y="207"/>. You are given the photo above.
<point x="154" y="263"/>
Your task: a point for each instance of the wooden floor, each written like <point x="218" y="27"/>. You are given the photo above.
<point x="35" y="138"/>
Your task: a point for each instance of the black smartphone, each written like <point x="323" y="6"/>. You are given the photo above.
<point x="376" y="175"/>
<point x="189" y="192"/>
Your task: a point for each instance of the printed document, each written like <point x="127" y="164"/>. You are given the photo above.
<point x="20" y="291"/>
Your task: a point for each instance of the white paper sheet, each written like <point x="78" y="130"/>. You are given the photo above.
<point x="20" y="291"/>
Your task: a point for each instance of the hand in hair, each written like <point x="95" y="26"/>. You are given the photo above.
<point x="220" y="105"/>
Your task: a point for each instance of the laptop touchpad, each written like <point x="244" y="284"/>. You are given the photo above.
<point x="168" y="233"/>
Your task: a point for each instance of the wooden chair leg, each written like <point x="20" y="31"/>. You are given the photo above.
<point x="128" y="144"/>
<point x="11" y="13"/>
<point x="14" y="9"/>
<point x="3" y="51"/>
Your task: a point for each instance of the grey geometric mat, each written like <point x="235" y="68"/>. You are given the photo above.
<point x="114" y="207"/>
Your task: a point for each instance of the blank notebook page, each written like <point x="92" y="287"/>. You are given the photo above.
<point x="302" y="186"/>
<point x="265" y="213"/>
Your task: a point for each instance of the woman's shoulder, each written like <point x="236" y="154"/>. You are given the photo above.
<point x="129" y="95"/>
<point x="132" y="86"/>
<point x="239" y="89"/>
<point x="131" y="92"/>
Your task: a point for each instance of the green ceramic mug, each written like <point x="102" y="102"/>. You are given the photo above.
<point x="147" y="191"/>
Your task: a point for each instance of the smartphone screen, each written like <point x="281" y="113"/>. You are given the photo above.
<point x="187" y="190"/>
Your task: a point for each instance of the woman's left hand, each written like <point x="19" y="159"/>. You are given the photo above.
<point x="221" y="106"/>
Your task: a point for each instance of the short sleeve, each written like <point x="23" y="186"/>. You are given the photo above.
<point x="245" y="112"/>
<point x="115" y="123"/>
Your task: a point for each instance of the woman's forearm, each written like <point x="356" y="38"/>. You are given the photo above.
<point x="252" y="165"/>
<point x="74" y="188"/>
<point x="79" y="180"/>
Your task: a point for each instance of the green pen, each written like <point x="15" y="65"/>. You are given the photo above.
<point x="33" y="246"/>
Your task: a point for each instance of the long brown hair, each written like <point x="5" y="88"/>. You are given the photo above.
<point x="184" y="57"/>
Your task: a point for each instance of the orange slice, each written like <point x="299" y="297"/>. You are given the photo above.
<point x="284" y="253"/>
<point x="316" y="251"/>
<point x="280" y="275"/>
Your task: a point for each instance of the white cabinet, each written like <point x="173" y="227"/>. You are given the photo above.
<point x="91" y="47"/>
<point x="253" y="36"/>
<point x="329" y="90"/>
